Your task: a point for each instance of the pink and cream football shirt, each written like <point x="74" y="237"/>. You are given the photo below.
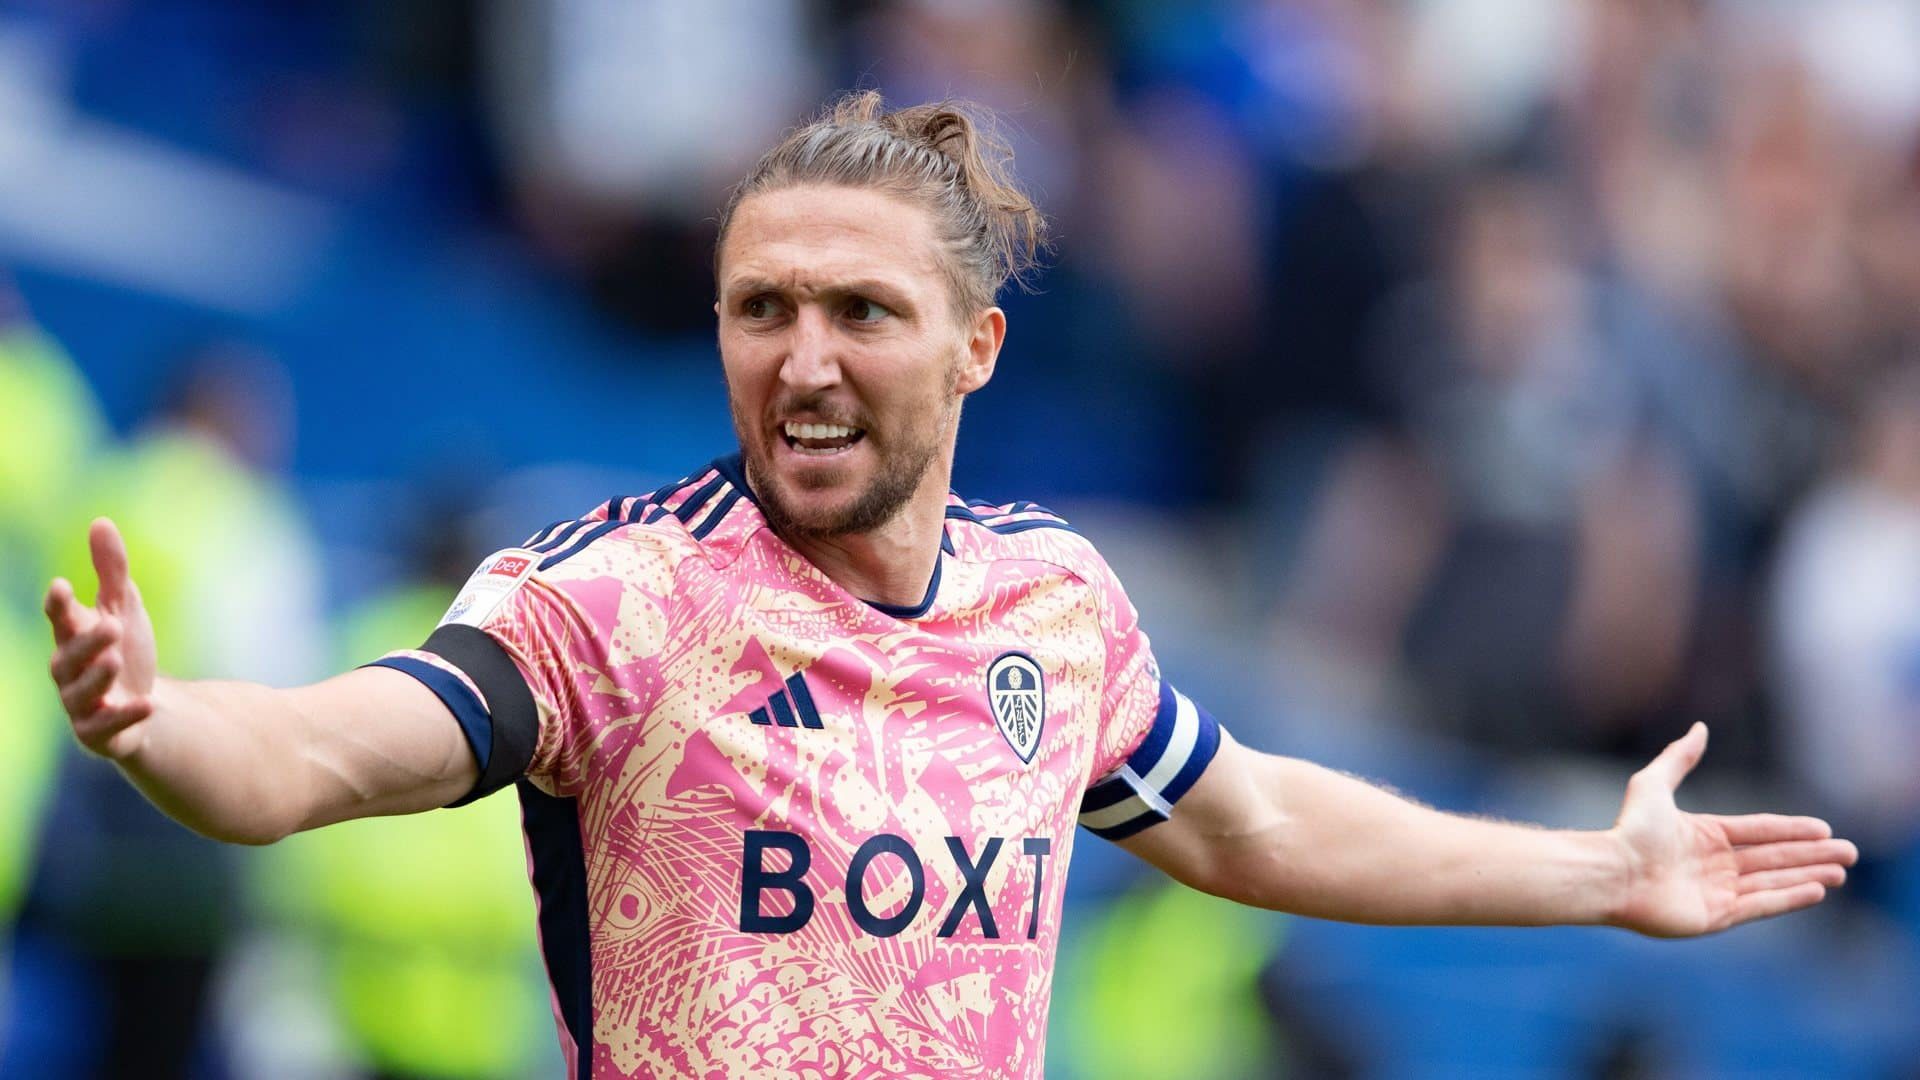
<point x="777" y="830"/>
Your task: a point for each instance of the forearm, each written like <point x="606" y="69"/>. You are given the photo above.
<point x="1292" y="836"/>
<point x="250" y="764"/>
<point x="1335" y="847"/>
<point x="242" y="762"/>
<point x="224" y="759"/>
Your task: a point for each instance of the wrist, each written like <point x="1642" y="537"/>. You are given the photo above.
<point x="1621" y="870"/>
<point x="129" y="747"/>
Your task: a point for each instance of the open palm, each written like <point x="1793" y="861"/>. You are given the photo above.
<point x="1698" y="873"/>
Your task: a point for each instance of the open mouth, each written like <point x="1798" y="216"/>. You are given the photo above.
<point x="821" y="440"/>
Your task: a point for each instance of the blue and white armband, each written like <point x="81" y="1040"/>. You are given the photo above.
<point x="1142" y="791"/>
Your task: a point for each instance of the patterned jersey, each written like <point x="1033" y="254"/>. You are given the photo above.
<point x="777" y="830"/>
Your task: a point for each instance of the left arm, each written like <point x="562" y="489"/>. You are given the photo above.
<point x="1284" y="834"/>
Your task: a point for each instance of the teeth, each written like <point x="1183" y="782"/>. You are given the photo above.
<point x="819" y="431"/>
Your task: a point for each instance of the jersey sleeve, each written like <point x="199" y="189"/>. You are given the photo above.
<point x="525" y="660"/>
<point x="1154" y="741"/>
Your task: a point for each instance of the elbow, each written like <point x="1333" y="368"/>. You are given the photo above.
<point x="251" y="826"/>
<point x="229" y="824"/>
<point x="254" y="837"/>
<point x="244" y="833"/>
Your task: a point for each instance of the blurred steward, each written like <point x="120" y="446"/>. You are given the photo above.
<point x="1205" y="952"/>
<point x="140" y="907"/>
<point x="51" y="432"/>
<point x="422" y="925"/>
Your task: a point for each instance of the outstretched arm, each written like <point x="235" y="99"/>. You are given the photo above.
<point x="1288" y="835"/>
<point x="236" y="761"/>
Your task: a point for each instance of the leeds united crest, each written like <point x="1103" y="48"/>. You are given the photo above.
<point x="1018" y="699"/>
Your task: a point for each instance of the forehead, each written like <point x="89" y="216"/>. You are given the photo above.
<point x="813" y="237"/>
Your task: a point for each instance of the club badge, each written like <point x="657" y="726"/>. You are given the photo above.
<point x="1019" y="701"/>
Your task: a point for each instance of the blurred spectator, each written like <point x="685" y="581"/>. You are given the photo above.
<point x="624" y="125"/>
<point x="1846" y="626"/>
<point x="1348" y="182"/>
<point x="1176" y="226"/>
<point x="1024" y="59"/>
<point x="1564" y="511"/>
<point x="1792" y="288"/>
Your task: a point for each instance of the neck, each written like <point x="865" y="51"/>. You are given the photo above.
<point x="891" y="564"/>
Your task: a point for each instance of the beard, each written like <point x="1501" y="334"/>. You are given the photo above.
<point x="900" y="470"/>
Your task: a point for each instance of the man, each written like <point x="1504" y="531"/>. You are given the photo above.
<point x="800" y="741"/>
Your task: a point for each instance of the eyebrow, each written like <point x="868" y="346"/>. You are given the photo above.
<point x="877" y="288"/>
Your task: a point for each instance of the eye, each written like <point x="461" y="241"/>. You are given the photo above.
<point x="862" y="310"/>
<point x="760" y="307"/>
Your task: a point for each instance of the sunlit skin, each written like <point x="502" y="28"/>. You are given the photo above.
<point x="835" y="307"/>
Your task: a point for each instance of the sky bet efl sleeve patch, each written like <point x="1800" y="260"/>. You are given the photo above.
<point x="500" y="574"/>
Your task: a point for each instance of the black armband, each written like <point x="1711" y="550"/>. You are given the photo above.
<point x="502" y="725"/>
<point x="514" y="722"/>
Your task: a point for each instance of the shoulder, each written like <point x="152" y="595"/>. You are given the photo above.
<point x="980" y="531"/>
<point x="705" y="513"/>
<point x="624" y="554"/>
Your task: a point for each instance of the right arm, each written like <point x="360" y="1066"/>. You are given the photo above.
<point x="236" y="761"/>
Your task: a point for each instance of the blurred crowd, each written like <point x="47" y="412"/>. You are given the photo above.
<point x="1473" y="394"/>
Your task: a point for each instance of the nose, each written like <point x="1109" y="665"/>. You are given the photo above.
<point x="811" y="363"/>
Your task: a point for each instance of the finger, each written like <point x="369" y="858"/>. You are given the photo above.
<point x="110" y="563"/>
<point x="80" y="650"/>
<point x="66" y="613"/>
<point x="82" y="696"/>
<point x="131" y="711"/>
<point x="1764" y="905"/>
<point x="125" y="714"/>
<point x="1831" y="875"/>
<point x="1795" y="853"/>
<point x="96" y="732"/>
<point x="1772" y="828"/>
<point x="1679" y="758"/>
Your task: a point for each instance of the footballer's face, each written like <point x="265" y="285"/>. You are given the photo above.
<point x="846" y="355"/>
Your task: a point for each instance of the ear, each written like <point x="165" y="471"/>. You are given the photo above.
<point x="988" y="332"/>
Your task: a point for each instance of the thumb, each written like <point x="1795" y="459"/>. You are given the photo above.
<point x="117" y="590"/>
<point x="1679" y="758"/>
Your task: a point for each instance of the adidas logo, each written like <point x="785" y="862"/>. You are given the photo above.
<point x="792" y="707"/>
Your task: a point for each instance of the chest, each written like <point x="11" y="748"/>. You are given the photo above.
<point x="795" y="705"/>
